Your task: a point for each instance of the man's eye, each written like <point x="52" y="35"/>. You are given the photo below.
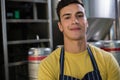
<point x="67" y="18"/>
<point x="80" y="15"/>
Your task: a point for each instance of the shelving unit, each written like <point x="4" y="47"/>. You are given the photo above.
<point x="25" y="24"/>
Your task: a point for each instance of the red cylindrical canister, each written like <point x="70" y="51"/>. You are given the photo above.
<point x="34" y="58"/>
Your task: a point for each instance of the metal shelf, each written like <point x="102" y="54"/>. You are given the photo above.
<point x="17" y="63"/>
<point x="40" y="1"/>
<point x="27" y="41"/>
<point x="36" y="19"/>
<point x="27" y="21"/>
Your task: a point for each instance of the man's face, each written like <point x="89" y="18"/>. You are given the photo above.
<point x="73" y="22"/>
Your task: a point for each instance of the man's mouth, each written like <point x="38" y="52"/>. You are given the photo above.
<point x="75" y="29"/>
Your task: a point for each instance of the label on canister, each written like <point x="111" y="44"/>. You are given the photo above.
<point x="33" y="66"/>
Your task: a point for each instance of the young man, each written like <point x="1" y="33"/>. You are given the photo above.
<point x="77" y="60"/>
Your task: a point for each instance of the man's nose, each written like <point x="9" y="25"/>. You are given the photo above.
<point x="74" y="20"/>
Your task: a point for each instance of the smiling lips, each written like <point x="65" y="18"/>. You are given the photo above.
<point x="74" y="29"/>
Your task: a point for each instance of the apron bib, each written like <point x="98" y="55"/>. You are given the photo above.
<point x="93" y="75"/>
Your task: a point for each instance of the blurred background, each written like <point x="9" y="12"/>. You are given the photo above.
<point x="29" y="32"/>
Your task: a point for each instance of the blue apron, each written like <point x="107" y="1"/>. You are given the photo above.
<point x="93" y="75"/>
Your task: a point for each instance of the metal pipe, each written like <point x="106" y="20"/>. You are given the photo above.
<point x="35" y="11"/>
<point x="4" y="32"/>
<point x="50" y="23"/>
<point x="117" y="19"/>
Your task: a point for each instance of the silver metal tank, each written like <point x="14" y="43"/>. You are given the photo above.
<point x="102" y="8"/>
<point x="35" y="56"/>
<point x="102" y="13"/>
<point x="98" y="28"/>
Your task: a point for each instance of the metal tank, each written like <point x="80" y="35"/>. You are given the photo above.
<point x="102" y="15"/>
<point x="35" y="56"/>
<point x="102" y="8"/>
<point x="98" y="28"/>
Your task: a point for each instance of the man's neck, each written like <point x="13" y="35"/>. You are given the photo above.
<point x="75" y="46"/>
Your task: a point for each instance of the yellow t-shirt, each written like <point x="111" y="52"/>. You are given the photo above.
<point x="77" y="65"/>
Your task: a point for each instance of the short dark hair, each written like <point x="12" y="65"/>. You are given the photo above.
<point x="63" y="3"/>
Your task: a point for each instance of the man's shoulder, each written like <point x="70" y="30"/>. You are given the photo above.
<point x="99" y="52"/>
<point x="102" y="57"/>
<point x="55" y="53"/>
<point x="95" y="48"/>
<point x="53" y="56"/>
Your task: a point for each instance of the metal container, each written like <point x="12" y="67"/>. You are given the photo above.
<point x="98" y="28"/>
<point x="102" y="8"/>
<point x="110" y="46"/>
<point x="34" y="58"/>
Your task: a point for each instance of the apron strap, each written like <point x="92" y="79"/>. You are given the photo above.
<point x="92" y="59"/>
<point x="96" y="69"/>
<point x="61" y="64"/>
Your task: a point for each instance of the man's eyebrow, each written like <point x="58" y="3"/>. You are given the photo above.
<point x="67" y="14"/>
<point x="80" y="12"/>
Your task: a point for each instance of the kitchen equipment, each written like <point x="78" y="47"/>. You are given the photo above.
<point x="98" y="28"/>
<point x="34" y="58"/>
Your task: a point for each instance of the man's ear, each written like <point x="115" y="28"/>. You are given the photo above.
<point x="60" y="26"/>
